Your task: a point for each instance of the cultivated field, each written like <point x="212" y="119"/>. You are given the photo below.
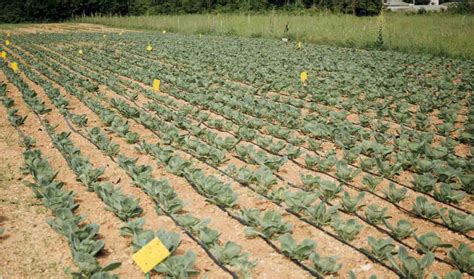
<point x="438" y="34"/>
<point x="240" y="167"/>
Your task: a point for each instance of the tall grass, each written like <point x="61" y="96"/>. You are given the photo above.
<point x="438" y="34"/>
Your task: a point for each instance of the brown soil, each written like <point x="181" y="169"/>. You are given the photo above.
<point x="422" y="228"/>
<point x="27" y="237"/>
<point x="22" y="211"/>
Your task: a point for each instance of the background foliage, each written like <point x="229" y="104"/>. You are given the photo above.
<point x="12" y="11"/>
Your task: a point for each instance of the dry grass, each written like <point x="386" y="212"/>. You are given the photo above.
<point x="438" y="34"/>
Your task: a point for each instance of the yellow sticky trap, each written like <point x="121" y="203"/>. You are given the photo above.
<point x="164" y="32"/>
<point x="7" y="42"/>
<point x="299" y="45"/>
<point x="156" y="85"/>
<point x="304" y="76"/>
<point x="4" y="54"/>
<point x="149" y="48"/>
<point x="14" y="66"/>
<point x="81" y="52"/>
<point x="150" y="255"/>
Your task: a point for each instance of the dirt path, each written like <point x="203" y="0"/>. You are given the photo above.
<point x="27" y="236"/>
<point x="64" y="28"/>
<point x="22" y="215"/>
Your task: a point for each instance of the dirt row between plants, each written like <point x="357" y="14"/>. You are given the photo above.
<point x="63" y="28"/>
<point x="111" y="96"/>
<point x="26" y="237"/>
<point x="270" y="263"/>
<point x="117" y="247"/>
<point x="290" y="172"/>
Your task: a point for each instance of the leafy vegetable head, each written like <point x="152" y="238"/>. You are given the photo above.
<point x="352" y="204"/>
<point x="429" y="242"/>
<point x="298" y="201"/>
<point x="292" y="249"/>
<point x="268" y="226"/>
<point x="425" y="209"/>
<point x="402" y="230"/>
<point x="320" y="214"/>
<point x="446" y="193"/>
<point x="347" y="230"/>
<point x="375" y="214"/>
<point x="463" y="258"/>
<point x="371" y="182"/>
<point x="329" y="189"/>
<point x="459" y="222"/>
<point x="325" y="265"/>
<point x="346" y="173"/>
<point x="410" y="267"/>
<point x="395" y="194"/>
<point x="230" y="253"/>
<point x="379" y="248"/>
<point x="178" y="266"/>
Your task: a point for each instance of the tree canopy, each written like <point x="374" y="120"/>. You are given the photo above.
<point x="56" y="10"/>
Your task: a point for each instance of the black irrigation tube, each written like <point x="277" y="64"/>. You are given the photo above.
<point x="353" y="165"/>
<point x="186" y="231"/>
<point x="258" y="89"/>
<point x="176" y="63"/>
<point x="304" y="219"/>
<point x="369" y="223"/>
<point x="312" y="272"/>
<point x="353" y="187"/>
<point x="238" y="219"/>
<point x="199" y="242"/>
<point x="243" y="223"/>
<point x="363" y="219"/>
<point x="378" y="228"/>
<point x="301" y="218"/>
<point x="223" y="209"/>
<point x="233" y="274"/>
<point x="85" y="61"/>
<point x="278" y="205"/>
